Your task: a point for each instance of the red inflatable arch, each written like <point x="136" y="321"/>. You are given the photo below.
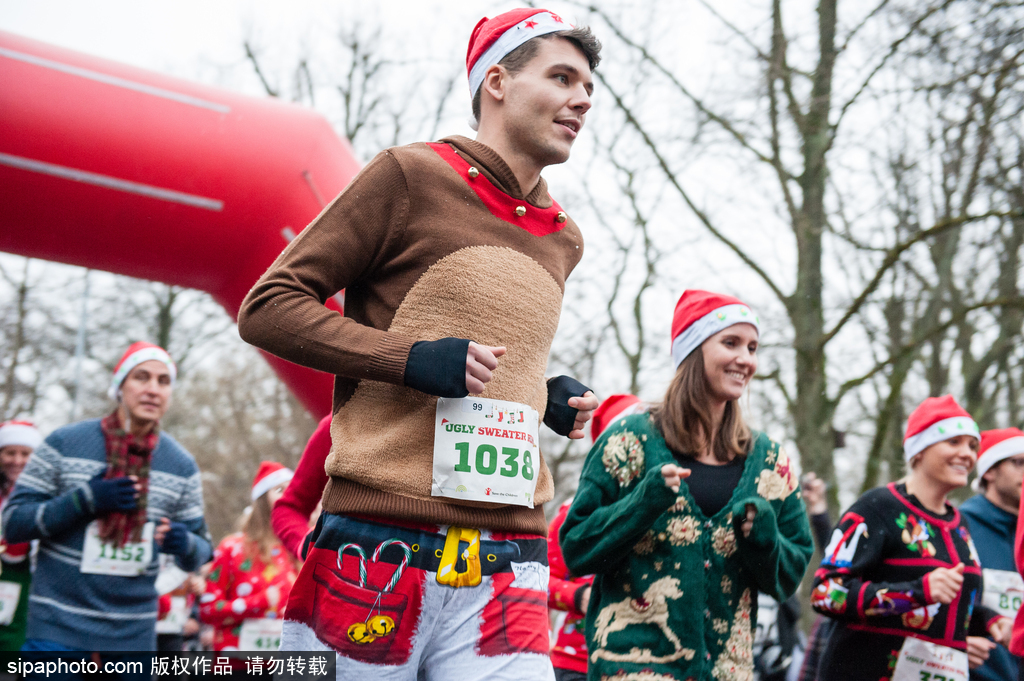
<point x="111" y="167"/>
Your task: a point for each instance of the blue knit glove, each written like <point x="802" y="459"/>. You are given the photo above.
<point x="177" y="541"/>
<point x="115" y="494"/>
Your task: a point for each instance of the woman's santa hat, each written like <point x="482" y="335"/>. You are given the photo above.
<point x="270" y="475"/>
<point x="700" y="315"/>
<point x="997" y="445"/>
<point x="492" y="39"/>
<point x="937" y="419"/>
<point x="614" y="407"/>
<point x="20" y="433"/>
<point x="136" y="354"/>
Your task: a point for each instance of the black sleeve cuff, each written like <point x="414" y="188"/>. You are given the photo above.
<point x="559" y="416"/>
<point x="438" y="367"/>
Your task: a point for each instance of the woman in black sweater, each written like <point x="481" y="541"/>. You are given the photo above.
<point x="900" y="573"/>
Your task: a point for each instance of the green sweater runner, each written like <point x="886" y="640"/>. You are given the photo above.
<point x="675" y="593"/>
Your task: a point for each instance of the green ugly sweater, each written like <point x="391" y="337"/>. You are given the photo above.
<point x="675" y="593"/>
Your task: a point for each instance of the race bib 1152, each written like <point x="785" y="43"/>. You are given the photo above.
<point x="485" y="450"/>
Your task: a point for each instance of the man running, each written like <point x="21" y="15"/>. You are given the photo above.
<point x="104" y="497"/>
<point x="992" y="515"/>
<point x="429" y="559"/>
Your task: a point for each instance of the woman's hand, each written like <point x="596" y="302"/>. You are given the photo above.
<point x="674" y="475"/>
<point x="585" y="600"/>
<point x="978" y="648"/>
<point x="945" y="583"/>
<point x="748" y="521"/>
<point x="1001" y="630"/>
<point x="813" y="490"/>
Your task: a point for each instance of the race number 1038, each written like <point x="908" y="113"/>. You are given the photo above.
<point x="510" y="463"/>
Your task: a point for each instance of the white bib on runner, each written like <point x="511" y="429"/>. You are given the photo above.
<point x="10" y="592"/>
<point x="926" y="661"/>
<point x="1004" y="591"/>
<point x="260" y="634"/>
<point x="174" y="621"/>
<point x="102" y="558"/>
<point x="485" y="450"/>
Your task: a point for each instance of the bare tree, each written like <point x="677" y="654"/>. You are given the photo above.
<point x="785" y="136"/>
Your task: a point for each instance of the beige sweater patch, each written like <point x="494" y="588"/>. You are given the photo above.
<point x="383" y="437"/>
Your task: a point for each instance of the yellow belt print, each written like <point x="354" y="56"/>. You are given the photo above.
<point x="446" y="573"/>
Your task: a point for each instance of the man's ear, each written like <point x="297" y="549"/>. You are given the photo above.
<point x="495" y="80"/>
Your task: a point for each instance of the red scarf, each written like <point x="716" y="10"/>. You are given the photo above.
<point x="126" y="455"/>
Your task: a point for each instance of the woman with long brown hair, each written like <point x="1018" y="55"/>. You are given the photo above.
<point x="252" y="574"/>
<point x="685" y="514"/>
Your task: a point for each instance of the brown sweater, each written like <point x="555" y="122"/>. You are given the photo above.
<point x="424" y="251"/>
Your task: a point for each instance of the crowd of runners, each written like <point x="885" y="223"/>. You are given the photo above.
<point x="411" y="541"/>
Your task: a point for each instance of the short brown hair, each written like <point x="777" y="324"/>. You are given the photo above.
<point x="685" y="420"/>
<point x="516" y="60"/>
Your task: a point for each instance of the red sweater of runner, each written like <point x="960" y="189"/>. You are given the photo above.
<point x="570" y="649"/>
<point x="290" y="517"/>
<point x="236" y="589"/>
<point x="1017" y="642"/>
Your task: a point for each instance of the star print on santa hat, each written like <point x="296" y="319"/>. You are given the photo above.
<point x="493" y="39"/>
<point x="935" y="420"/>
<point x="699" y="315"/>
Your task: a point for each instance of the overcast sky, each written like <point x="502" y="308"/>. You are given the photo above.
<point x="182" y="37"/>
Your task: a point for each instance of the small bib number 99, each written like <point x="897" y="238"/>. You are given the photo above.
<point x="487" y="460"/>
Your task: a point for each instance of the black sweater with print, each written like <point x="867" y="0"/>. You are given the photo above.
<point x="873" y="580"/>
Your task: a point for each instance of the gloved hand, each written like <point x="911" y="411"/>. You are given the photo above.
<point x="115" y="494"/>
<point x="176" y="540"/>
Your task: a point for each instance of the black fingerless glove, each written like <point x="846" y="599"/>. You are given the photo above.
<point x="438" y="367"/>
<point x="559" y="416"/>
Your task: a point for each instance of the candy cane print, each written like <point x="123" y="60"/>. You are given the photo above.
<point x="406" y="557"/>
<point x="362" y="561"/>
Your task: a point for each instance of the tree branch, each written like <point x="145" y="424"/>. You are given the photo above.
<point x="705" y="220"/>
<point x="909" y="348"/>
<point x="896" y="252"/>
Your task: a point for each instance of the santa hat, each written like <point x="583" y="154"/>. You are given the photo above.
<point x="136" y="354"/>
<point x="937" y="419"/>
<point x="613" y="407"/>
<point x="700" y="315"/>
<point x="996" y="445"/>
<point x="21" y="433"/>
<point x="492" y="39"/>
<point x="270" y="475"/>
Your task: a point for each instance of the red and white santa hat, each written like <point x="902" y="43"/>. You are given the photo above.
<point x="614" y="407"/>
<point x="700" y="315"/>
<point x="997" y="445"/>
<point x="935" y="420"/>
<point x="136" y="354"/>
<point x="270" y="475"/>
<point x="20" y="433"/>
<point x="492" y="39"/>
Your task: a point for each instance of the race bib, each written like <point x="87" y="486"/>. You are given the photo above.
<point x="1004" y="591"/>
<point x="260" y="634"/>
<point x="485" y="450"/>
<point x="174" y="621"/>
<point x="103" y="558"/>
<point x="10" y="592"/>
<point x="926" y="661"/>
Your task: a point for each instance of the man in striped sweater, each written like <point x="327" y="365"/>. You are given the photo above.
<point x="105" y="497"/>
